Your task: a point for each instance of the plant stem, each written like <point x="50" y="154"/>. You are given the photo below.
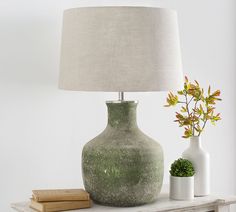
<point x="190" y="100"/>
<point x="187" y="103"/>
<point x="204" y="124"/>
<point x="194" y="112"/>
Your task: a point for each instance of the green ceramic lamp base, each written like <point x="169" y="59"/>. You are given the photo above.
<point x="122" y="166"/>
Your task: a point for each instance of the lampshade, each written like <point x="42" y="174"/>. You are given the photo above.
<point x="120" y="49"/>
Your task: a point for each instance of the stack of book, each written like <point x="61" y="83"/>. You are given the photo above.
<point x="59" y="200"/>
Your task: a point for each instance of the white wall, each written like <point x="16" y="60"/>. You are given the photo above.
<point x="43" y="129"/>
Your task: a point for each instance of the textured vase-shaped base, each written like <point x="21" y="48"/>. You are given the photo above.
<point x="122" y="166"/>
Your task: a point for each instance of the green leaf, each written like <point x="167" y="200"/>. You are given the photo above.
<point x="209" y="90"/>
<point x="213" y="122"/>
<point x="180" y="93"/>
<point x="186" y="79"/>
<point x="183" y="109"/>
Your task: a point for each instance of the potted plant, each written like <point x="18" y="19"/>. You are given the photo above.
<point x="182" y="180"/>
<point x="197" y="109"/>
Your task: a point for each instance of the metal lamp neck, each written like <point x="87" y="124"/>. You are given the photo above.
<point x="121" y="96"/>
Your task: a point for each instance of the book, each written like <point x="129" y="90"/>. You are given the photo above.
<point x="59" y="206"/>
<point x="60" y="195"/>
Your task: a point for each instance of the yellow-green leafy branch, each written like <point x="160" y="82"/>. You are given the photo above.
<point x="194" y="116"/>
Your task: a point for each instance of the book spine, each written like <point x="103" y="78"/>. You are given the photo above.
<point x="60" y="198"/>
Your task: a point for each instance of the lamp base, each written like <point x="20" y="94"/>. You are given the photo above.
<point x="122" y="166"/>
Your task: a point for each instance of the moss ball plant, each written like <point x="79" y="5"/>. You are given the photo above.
<point x="182" y="168"/>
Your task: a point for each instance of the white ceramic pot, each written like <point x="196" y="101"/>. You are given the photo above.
<point x="182" y="188"/>
<point x="201" y="162"/>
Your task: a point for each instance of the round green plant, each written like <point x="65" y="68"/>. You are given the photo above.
<point x="182" y="168"/>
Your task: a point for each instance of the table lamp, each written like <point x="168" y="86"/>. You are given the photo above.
<point x="121" y="49"/>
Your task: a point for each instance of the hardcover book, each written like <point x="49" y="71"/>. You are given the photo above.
<point x="59" y="206"/>
<point x="60" y="195"/>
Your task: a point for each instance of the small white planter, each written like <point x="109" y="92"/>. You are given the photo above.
<point x="182" y="188"/>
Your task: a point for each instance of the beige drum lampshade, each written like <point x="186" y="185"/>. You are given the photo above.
<point x="120" y="49"/>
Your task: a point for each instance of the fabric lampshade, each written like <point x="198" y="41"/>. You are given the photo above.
<point x="120" y="49"/>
